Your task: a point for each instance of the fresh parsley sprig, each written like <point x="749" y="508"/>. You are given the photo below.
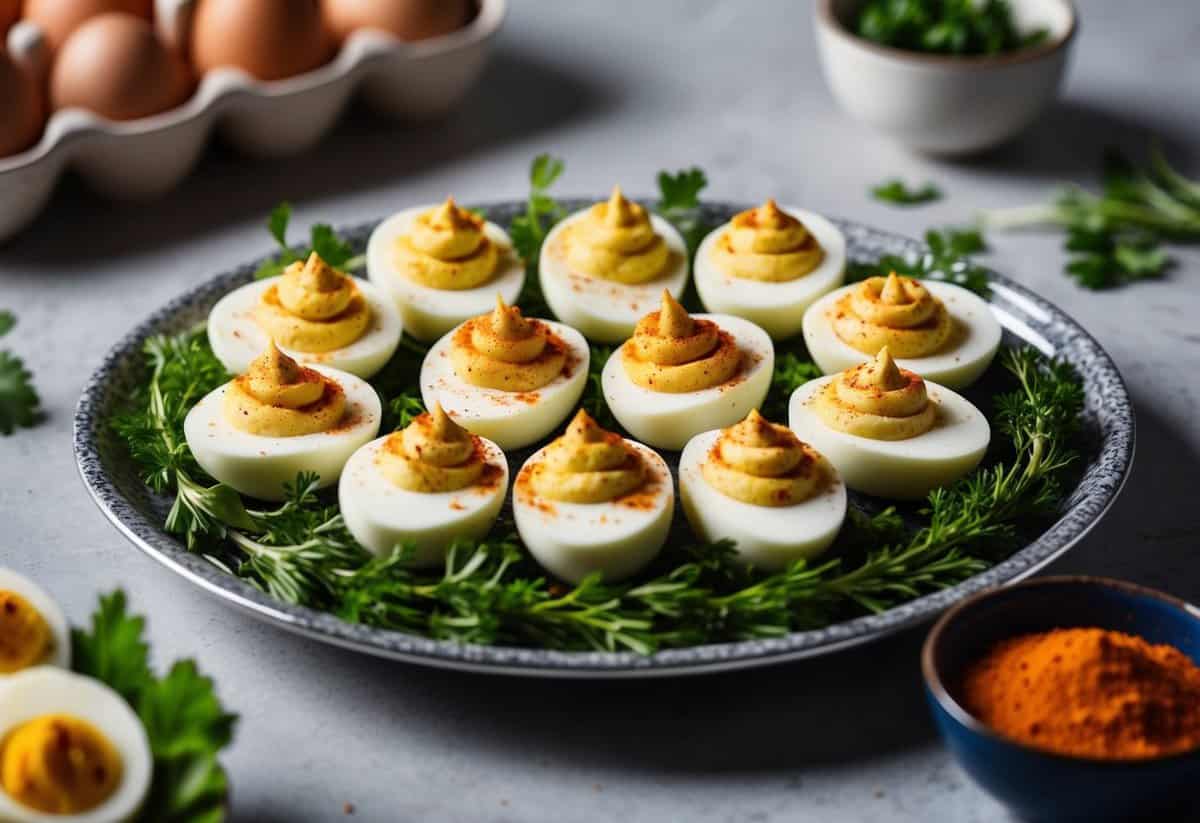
<point x="322" y="239"/>
<point x="184" y="720"/>
<point x="946" y="258"/>
<point x="679" y="202"/>
<point x="955" y="27"/>
<point x="896" y="192"/>
<point x="528" y="231"/>
<point x="19" y="401"/>
<point x="1116" y="237"/>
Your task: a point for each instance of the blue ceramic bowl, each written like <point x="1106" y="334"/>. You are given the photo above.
<point x="1035" y="784"/>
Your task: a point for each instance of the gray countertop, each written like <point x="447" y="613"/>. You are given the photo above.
<point x="619" y="89"/>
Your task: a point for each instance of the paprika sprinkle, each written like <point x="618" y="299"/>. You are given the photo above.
<point x="1088" y="693"/>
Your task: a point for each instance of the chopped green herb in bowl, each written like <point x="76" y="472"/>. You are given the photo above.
<point x="964" y="28"/>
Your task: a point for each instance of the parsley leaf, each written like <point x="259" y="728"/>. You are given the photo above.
<point x="7" y="321"/>
<point x="528" y="230"/>
<point x="947" y="259"/>
<point x="184" y="720"/>
<point x="959" y="27"/>
<point x="791" y="372"/>
<point x="19" y="401"/>
<point x="332" y="249"/>
<point x="896" y="192"/>
<point x="322" y="240"/>
<point x="679" y="202"/>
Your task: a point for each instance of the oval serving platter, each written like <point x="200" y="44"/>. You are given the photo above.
<point x="112" y="479"/>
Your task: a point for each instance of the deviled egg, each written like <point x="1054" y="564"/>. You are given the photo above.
<point x="888" y="431"/>
<point x="603" y="268"/>
<point x="72" y="750"/>
<point x="680" y="375"/>
<point x="769" y="264"/>
<point x="314" y="313"/>
<point x="592" y="501"/>
<point x="506" y="377"/>
<point x="423" y="488"/>
<point x="442" y="265"/>
<point x="33" y="631"/>
<point x="759" y="485"/>
<point x="261" y="429"/>
<point x="943" y="332"/>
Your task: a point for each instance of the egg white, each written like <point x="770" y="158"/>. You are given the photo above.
<point x="668" y="421"/>
<point x="766" y="537"/>
<point x="776" y="307"/>
<point x="45" y="605"/>
<point x="898" y="469"/>
<point x="511" y="419"/>
<point x="237" y="339"/>
<point x="381" y="515"/>
<point x="428" y="312"/>
<point x="958" y="367"/>
<point x="257" y="465"/>
<point x="573" y="540"/>
<point x="45" y="690"/>
<point x="604" y="310"/>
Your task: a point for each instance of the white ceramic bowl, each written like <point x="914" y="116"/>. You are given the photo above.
<point x="942" y="104"/>
<point x="146" y="157"/>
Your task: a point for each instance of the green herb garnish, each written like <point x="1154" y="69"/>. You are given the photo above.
<point x="183" y="718"/>
<point x="529" y="230"/>
<point x="947" y="258"/>
<point x="956" y="27"/>
<point x="322" y="239"/>
<point x="19" y="401"/>
<point x="1116" y="237"/>
<point x="896" y="192"/>
<point x="679" y="202"/>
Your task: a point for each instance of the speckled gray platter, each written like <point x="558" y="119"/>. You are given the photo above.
<point x="113" y="482"/>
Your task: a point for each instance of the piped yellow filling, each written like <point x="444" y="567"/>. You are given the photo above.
<point x="616" y="241"/>
<point x="764" y="464"/>
<point x="447" y="248"/>
<point x="313" y="308"/>
<point x="896" y="312"/>
<point x="59" y="764"/>
<point x="503" y="350"/>
<point x="587" y="465"/>
<point x="877" y="400"/>
<point x="767" y="244"/>
<point x="675" y="353"/>
<point x="432" y="454"/>
<point x="277" y="397"/>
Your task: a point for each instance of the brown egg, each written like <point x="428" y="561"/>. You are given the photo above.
<point x="116" y="66"/>
<point x="406" y="19"/>
<point x="10" y="10"/>
<point x="22" y="109"/>
<point x="269" y="39"/>
<point x="58" y="18"/>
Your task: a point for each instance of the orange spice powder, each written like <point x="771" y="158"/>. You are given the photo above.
<point x="1088" y="693"/>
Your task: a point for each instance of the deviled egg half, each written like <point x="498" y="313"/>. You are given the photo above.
<point x="759" y="485"/>
<point x="314" y="313"/>
<point x="261" y="429"/>
<point x="604" y="267"/>
<point x="423" y="488"/>
<point x="33" y="631"/>
<point x="680" y="375"/>
<point x="889" y="432"/>
<point x="442" y="265"/>
<point x="943" y="332"/>
<point x="72" y="750"/>
<point x="506" y="377"/>
<point x="592" y="501"/>
<point x="769" y="264"/>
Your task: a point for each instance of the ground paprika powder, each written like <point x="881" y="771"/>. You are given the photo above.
<point x="1089" y="693"/>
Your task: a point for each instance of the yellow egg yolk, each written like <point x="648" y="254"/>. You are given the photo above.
<point x="672" y="352"/>
<point x="59" y="764"/>
<point x="587" y="465"/>
<point x="503" y="350"/>
<point x="447" y="248"/>
<point x="897" y="312"/>
<point x="764" y="464"/>
<point x="277" y="397"/>
<point x="25" y="637"/>
<point x="877" y="400"/>
<point x="767" y="244"/>
<point x="432" y="454"/>
<point x="616" y="241"/>
<point x="313" y="308"/>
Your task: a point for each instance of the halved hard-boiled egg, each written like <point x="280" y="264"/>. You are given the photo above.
<point x="759" y="485"/>
<point x="941" y="331"/>
<point x="889" y="432"/>
<point x="604" y="267"/>
<point x="506" y="377"/>
<point x="261" y="429"/>
<point x="314" y="313"/>
<point x="769" y="264"/>
<point x="592" y="501"/>
<point x="442" y="265"/>
<point x="72" y="749"/>
<point x="680" y="374"/>
<point x="423" y="488"/>
<point x="33" y="631"/>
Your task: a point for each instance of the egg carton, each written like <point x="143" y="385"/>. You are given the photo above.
<point x="144" y="158"/>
